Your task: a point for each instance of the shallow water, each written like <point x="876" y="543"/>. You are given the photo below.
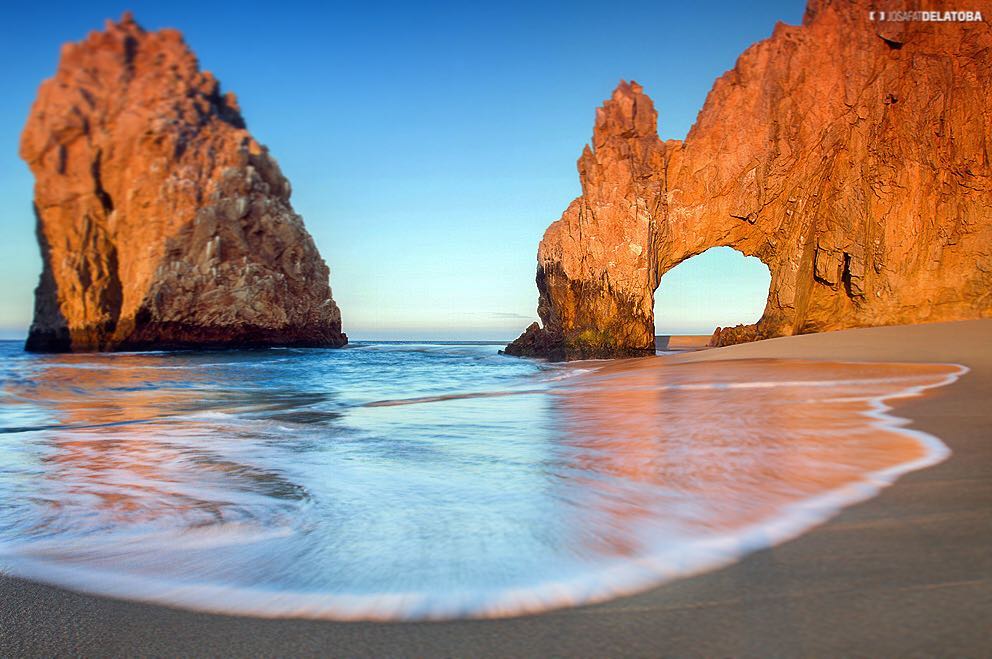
<point x="389" y="481"/>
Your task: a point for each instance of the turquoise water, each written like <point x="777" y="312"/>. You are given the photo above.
<point x="396" y="480"/>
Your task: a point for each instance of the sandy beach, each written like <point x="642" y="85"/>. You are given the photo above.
<point x="681" y="342"/>
<point x="906" y="573"/>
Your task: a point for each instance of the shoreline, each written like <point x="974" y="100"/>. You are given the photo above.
<point x="905" y="571"/>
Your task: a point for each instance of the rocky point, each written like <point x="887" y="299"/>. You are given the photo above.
<point x="162" y="222"/>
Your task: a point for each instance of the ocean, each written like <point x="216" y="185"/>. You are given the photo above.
<point x="426" y="480"/>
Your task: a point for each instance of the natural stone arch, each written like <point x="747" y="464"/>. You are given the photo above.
<point x="599" y="265"/>
<point x="837" y="172"/>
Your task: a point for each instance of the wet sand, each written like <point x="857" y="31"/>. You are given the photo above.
<point x="909" y="572"/>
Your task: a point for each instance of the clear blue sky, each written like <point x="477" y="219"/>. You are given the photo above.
<point x="429" y="145"/>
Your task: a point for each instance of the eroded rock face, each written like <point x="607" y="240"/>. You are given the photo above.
<point x="597" y="260"/>
<point x="851" y="157"/>
<point x="162" y="222"/>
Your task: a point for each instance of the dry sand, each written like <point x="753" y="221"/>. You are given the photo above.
<point x="906" y="573"/>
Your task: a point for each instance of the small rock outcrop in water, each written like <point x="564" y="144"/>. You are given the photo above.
<point x="853" y="161"/>
<point x="162" y="222"/>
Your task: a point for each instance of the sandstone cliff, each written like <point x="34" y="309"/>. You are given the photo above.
<point x="852" y="157"/>
<point x="162" y="222"/>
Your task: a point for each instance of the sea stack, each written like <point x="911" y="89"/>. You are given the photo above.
<point x="851" y="155"/>
<point x="162" y="222"/>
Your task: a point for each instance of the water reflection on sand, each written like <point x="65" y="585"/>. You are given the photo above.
<point x="119" y="448"/>
<point x="302" y="484"/>
<point x="724" y="445"/>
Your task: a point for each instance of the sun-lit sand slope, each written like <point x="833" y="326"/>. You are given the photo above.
<point x="965" y="342"/>
<point x="906" y="572"/>
<point x="678" y="342"/>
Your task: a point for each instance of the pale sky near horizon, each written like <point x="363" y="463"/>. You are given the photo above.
<point x="429" y="145"/>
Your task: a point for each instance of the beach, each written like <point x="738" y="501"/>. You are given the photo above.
<point x="907" y="572"/>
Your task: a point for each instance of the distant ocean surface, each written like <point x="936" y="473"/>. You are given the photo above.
<point x="427" y="480"/>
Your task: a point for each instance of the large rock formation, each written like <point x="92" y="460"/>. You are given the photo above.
<point x="851" y="156"/>
<point x="162" y="222"/>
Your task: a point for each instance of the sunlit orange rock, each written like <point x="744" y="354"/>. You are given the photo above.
<point x="162" y="222"/>
<point x="850" y="156"/>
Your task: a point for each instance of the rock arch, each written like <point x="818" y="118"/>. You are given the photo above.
<point x="825" y="153"/>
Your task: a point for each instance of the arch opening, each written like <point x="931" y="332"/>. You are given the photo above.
<point x="720" y="287"/>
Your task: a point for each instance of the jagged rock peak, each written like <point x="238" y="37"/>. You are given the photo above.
<point x="629" y="113"/>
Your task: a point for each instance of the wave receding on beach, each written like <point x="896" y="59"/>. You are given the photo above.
<point x="460" y="484"/>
